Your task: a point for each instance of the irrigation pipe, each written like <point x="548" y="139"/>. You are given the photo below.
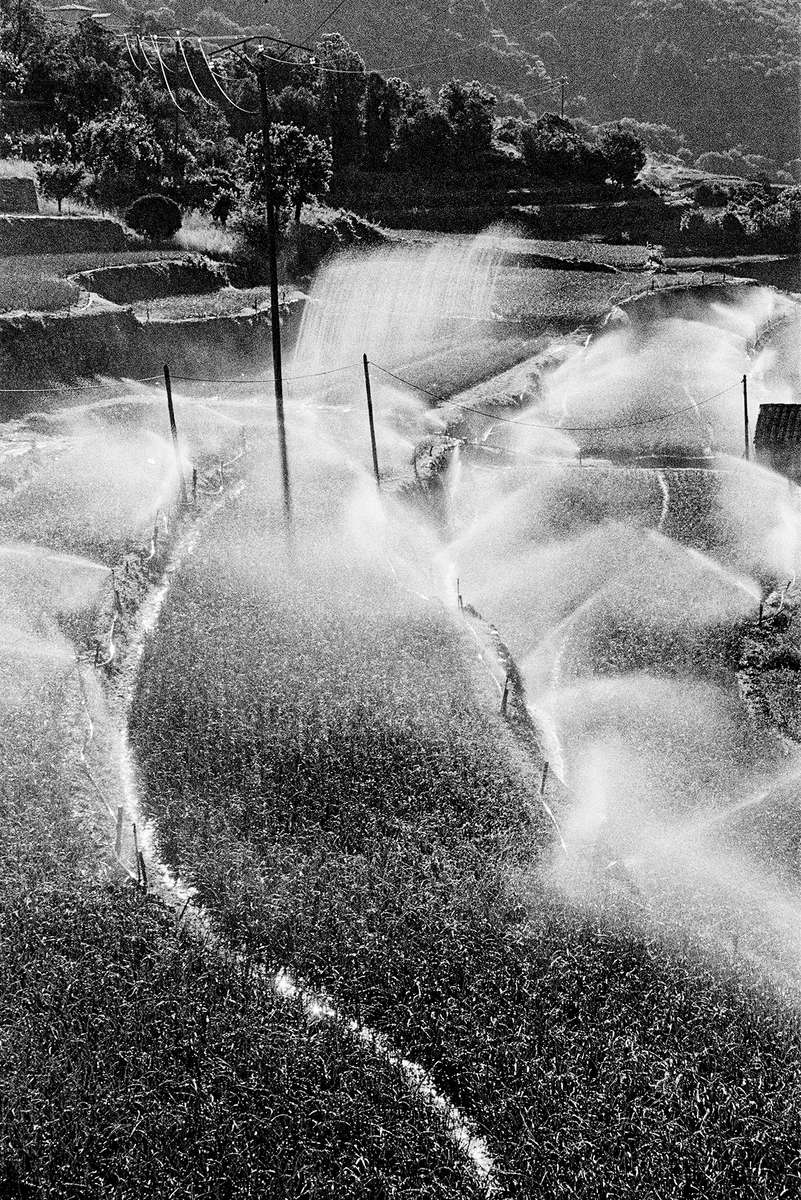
<point x="431" y="600"/>
<point x="87" y="742"/>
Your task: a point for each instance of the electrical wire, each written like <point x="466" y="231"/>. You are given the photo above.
<point x="144" y="53"/>
<point x="269" y="379"/>
<point x="169" y="70"/>
<point x="89" y="387"/>
<point x="131" y="55"/>
<point x="191" y="75"/>
<point x="557" y="428"/>
<point x="166" y="81"/>
<point x="326" y="19"/>
<point x="251" y="112"/>
<point x="383" y="70"/>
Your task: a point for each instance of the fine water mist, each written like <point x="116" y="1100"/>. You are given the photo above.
<point x="621" y="591"/>
<point x="396" y="302"/>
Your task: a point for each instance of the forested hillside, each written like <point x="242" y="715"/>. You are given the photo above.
<point x="724" y="73"/>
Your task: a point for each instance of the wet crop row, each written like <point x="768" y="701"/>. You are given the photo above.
<point x="138" y="1063"/>
<point x="322" y="766"/>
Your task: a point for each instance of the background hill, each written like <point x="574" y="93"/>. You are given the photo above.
<point x="723" y="73"/>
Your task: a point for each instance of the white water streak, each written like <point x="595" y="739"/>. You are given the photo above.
<point x="316" y="1006"/>
<point x="663" y="483"/>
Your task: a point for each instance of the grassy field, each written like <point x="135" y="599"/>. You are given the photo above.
<point x="325" y="772"/>
<point x="136" y="1062"/>
<point x="325" y="764"/>
<point x="41" y="283"/>
<point x="226" y="302"/>
<point x="103" y="471"/>
<point x="31" y="287"/>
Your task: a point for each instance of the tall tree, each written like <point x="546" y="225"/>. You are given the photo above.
<point x="384" y="105"/>
<point x="342" y="86"/>
<point x="469" y="108"/>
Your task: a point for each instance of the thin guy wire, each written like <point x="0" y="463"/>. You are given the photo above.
<point x="557" y="428"/>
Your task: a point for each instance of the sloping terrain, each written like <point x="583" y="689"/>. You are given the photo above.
<point x="722" y="71"/>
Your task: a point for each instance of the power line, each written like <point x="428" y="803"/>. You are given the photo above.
<point x="249" y="111"/>
<point x="144" y="53"/>
<point x="166" y="81"/>
<point x="381" y="70"/>
<point x="191" y="75"/>
<point x="131" y="56"/>
<point x="158" y="55"/>
<point x="326" y="19"/>
<point x="385" y="69"/>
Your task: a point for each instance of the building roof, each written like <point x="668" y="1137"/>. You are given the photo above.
<point x="778" y="423"/>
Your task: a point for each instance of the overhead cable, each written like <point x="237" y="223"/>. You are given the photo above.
<point x="326" y="19"/>
<point x="194" y="82"/>
<point x="131" y="55"/>
<point x="169" y="70"/>
<point x="557" y="428"/>
<point x="166" y="81"/>
<point x="144" y="53"/>
<point x="251" y="112"/>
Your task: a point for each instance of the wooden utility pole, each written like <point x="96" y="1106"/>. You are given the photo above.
<point x="370" y="418"/>
<point x="275" y="316"/>
<point x="174" y="432"/>
<point x="745" y="418"/>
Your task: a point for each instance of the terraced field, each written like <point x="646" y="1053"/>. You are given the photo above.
<point x="320" y="749"/>
<point x="323" y="768"/>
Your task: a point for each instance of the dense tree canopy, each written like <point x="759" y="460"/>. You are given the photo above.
<point x="160" y="116"/>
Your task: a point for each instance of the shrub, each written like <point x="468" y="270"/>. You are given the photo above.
<point x="60" y="180"/>
<point x="155" y="216"/>
<point x="624" y="154"/>
<point x="509" y="130"/>
<point x="710" y="194"/>
<point x="249" y="225"/>
<point x="553" y="147"/>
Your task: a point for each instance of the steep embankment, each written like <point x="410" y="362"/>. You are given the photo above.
<point x="128" y="283"/>
<point x="45" y="350"/>
<point x="60" y="235"/>
<point x="719" y="71"/>
<point x="133" y="317"/>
